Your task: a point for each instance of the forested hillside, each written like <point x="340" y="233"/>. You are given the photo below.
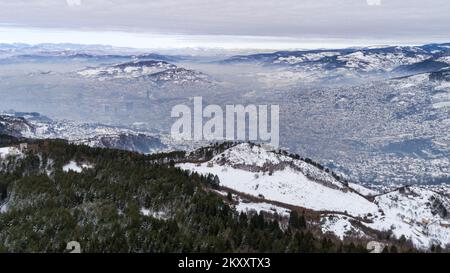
<point x="126" y="202"/>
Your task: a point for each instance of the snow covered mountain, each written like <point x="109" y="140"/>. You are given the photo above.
<point x="256" y="171"/>
<point x="128" y="70"/>
<point x="279" y="182"/>
<point x="160" y="73"/>
<point x="35" y="126"/>
<point x="180" y="76"/>
<point x="15" y="126"/>
<point x="353" y="62"/>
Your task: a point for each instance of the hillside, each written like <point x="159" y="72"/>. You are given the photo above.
<point x="418" y="213"/>
<point x="55" y="192"/>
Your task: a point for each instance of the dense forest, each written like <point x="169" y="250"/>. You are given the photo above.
<point x="128" y="202"/>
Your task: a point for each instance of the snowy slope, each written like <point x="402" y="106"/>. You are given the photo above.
<point x="15" y="126"/>
<point x="340" y="226"/>
<point x="420" y="213"/>
<point x="417" y="213"/>
<point x="247" y="169"/>
<point x="9" y="151"/>
<point x="253" y="157"/>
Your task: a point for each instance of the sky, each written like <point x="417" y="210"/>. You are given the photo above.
<point x="258" y="24"/>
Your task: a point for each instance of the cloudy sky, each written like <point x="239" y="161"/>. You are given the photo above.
<point x="226" y="23"/>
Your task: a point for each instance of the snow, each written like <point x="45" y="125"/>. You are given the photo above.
<point x="130" y="70"/>
<point x="340" y="226"/>
<point x="375" y="247"/>
<point x="4" y="207"/>
<point x="261" y="207"/>
<point x="245" y="156"/>
<point x="410" y="214"/>
<point x="363" y="190"/>
<point x="367" y="61"/>
<point x="444" y="85"/>
<point x="9" y="151"/>
<point x="445" y="59"/>
<point x="289" y="185"/>
<point x="220" y="192"/>
<point x="75" y="167"/>
<point x="161" y="215"/>
<point x="443" y="104"/>
<point x="305" y="57"/>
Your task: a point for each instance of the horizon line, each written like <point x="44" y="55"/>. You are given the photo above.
<point x="174" y="41"/>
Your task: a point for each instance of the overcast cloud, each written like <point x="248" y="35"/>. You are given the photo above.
<point x="392" y="20"/>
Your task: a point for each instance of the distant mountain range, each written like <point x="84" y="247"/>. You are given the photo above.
<point x="108" y="63"/>
<point x="18" y="53"/>
<point x="313" y="65"/>
<point x="35" y="126"/>
<point x="354" y="62"/>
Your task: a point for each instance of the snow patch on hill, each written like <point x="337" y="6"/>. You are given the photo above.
<point x="10" y="151"/>
<point x="248" y="207"/>
<point x="76" y="167"/>
<point x="4" y="207"/>
<point x="340" y="226"/>
<point x="161" y="215"/>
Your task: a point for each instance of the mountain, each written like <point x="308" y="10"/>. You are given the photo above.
<point x="15" y="126"/>
<point x="271" y="182"/>
<point x="284" y="182"/>
<point x="370" y="59"/>
<point x="133" y="69"/>
<point x="180" y="76"/>
<point x="428" y="65"/>
<point x="50" y="57"/>
<point x="56" y="53"/>
<point x="158" y="72"/>
<point x="85" y="194"/>
<point x="440" y="75"/>
<point x="52" y="192"/>
<point x="33" y="125"/>
<point x="353" y="62"/>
